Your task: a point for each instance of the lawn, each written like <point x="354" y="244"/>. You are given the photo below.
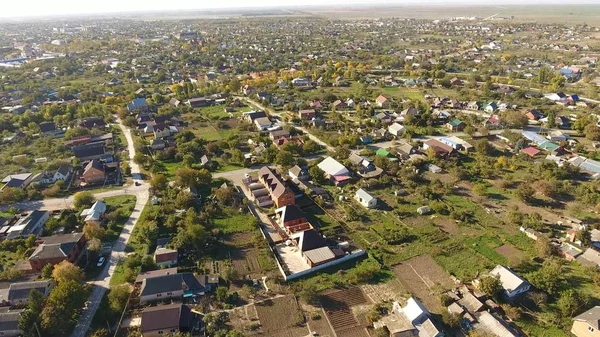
<point x="228" y="168"/>
<point x="124" y="205"/>
<point x="235" y="222"/>
<point x="118" y="276"/>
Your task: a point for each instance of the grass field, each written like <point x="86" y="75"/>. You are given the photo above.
<point x="233" y="223"/>
<point x="124" y="205"/>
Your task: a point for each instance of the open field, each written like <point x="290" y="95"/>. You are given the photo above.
<point x="281" y="317"/>
<point x="337" y="306"/>
<point x="425" y="279"/>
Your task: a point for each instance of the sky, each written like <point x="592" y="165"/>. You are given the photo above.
<point x="27" y="8"/>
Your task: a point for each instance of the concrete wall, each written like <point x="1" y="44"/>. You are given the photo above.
<point x="349" y="257"/>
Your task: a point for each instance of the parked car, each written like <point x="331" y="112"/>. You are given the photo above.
<point x="100" y="261"/>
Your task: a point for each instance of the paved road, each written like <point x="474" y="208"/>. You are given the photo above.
<point x="101" y="284"/>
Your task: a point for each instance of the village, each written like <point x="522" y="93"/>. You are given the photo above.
<point x="404" y="178"/>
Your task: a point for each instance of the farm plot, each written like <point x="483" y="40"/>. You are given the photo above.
<point x="281" y="317"/>
<point x="425" y="279"/>
<point x="337" y="306"/>
<point x="511" y="253"/>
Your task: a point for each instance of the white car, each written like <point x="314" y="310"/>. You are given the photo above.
<point x="100" y="261"/>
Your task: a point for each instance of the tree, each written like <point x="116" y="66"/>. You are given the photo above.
<point x="30" y="319"/>
<point x="63" y="307"/>
<point x="569" y="302"/>
<point x="490" y="285"/>
<point x="118" y="296"/>
<point x="525" y="193"/>
<point x="317" y="175"/>
<point x="548" y="277"/>
<point x="231" y="274"/>
<point x="66" y="271"/>
<point x="592" y="132"/>
<point x="551" y="124"/>
<point x="221" y="294"/>
<point x="30" y="241"/>
<point x="514" y="119"/>
<point x="159" y="182"/>
<point x="285" y="159"/>
<point x="47" y="272"/>
<point x="93" y="231"/>
<point x="483" y="147"/>
<point x="188" y="177"/>
<point x="544" y="247"/>
<point x="83" y="199"/>
<point x="450" y="319"/>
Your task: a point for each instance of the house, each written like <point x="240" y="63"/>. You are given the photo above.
<point x="89" y="151"/>
<point x="410" y="112"/>
<point x="154" y="273"/>
<point x="174" y="102"/>
<point x="31" y="224"/>
<point x="9" y="323"/>
<point x="292" y="219"/>
<point x="512" y="283"/>
<point x="298" y="173"/>
<point x="48" y="128"/>
<point x="362" y="163"/>
<point x="251" y="116"/>
<point x="94" y="172"/>
<point x="313" y="247"/>
<point x="279" y="192"/>
<point x="493" y="122"/>
<point x="534" y="114"/>
<point x="455" y="82"/>
<point x="137" y="105"/>
<point x="455" y="125"/>
<point x="505" y="89"/>
<point x="161" y="131"/>
<point x="590" y="257"/>
<point x="158" y="144"/>
<point x="491" y="107"/>
<point x="199" y="102"/>
<point x="18" y="293"/>
<point x="17" y="180"/>
<point x="301" y="82"/>
<point x="339" y="105"/>
<point x="382" y="102"/>
<point x="93" y="123"/>
<point x="95" y="213"/>
<point x="278" y="134"/>
<point x="176" y="286"/>
<point x="420" y="318"/>
<point x="473" y="106"/>
<point x="557" y="136"/>
<point x="164" y="320"/>
<point x="262" y="123"/>
<point x="164" y="257"/>
<point x="403" y="151"/>
<point x="587" y="324"/>
<point x="396" y="129"/>
<point x="334" y="171"/>
<point x="531" y="151"/>
<point x="365" y="199"/>
<point x="440" y="148"/>
<point x="62" y="173"/>
<point x="307" y="114"/>
<point x="494" y="325"/>
<point x="57" y="248"/>
<point x="205" y="161"/>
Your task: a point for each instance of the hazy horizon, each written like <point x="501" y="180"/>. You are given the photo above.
<point x="44" y="8"/>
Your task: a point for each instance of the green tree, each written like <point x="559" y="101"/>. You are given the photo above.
<point x="47" y="272"/>
<point x="317" y="175"/>
<point x="93" y="231"/>
<point x="30" y="319"/>
<point x="569" y="303"/>
<point x="551" y="123"/>
<point x="285" y="159"/>
<point x="159" y="182"/>
<point x="63" y="307"/>
<point x="490" y="285"/>
<point x="118" y="296"/>
<point x="65" y="272"/>
<point x="83" y="199"/>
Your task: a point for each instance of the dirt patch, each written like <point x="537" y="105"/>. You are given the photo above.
<point x="241" y="318"/>
<point x="384" y="292"/>
<point x="281" y="317"/>
<point x="511" y="253"/>
<point x="447" y="225"/>
<point x="425" y="279"/>
<point x="338" y="308"/>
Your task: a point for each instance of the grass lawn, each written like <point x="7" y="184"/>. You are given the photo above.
<point x="235" y="222"/>
<point x="207" y="133"/>
<point x="119" y="275"/>
<point x="168" y="168"/>
<point x="123" y="204"/>
<point x="228" y="168"/>
<point x="8" y="259"/>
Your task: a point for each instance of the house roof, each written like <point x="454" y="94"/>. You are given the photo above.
<point x="509" y="279"/>
<point x="65" y="170"/>
<point x="364" y="195"/>
<point x="290" y="213"/>
<point x="494" y="325"/>
<point x="470" y="302"/>
<point x="531" y="151"/>
<point x="381" y="99"/>
<point x="89" y="150"/>
<point x="591" y="317"/>
<point x="94" y="164"/>
<point x="166" y="317"/>
<point x="56" y="246"/>
<point x="456" y="122"/>
<point x="273" y="183"/>
<point x="309" y="240"/>
<point x="320" y="255"/>
<point x="333" y="168"/>
<point x="414" y="310"/>
<point x="9" y="321"/>
<point x="165" y="254"/>
<point x="161" y="284"/>
<point x="296" y="170"/>
<point x="396" y="127"/>
<point x="47" y="127"/>
<point x="155" y="273"/>
<point x="256" y="114"/>
<point x="94" y="212"/>
<point x="22" y="289"/>
<point x="590" y="257"/>
<point x="92" y="122"/>
<point x="439" y="146"/>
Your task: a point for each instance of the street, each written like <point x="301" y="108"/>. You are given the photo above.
<point x="102" y="282"/>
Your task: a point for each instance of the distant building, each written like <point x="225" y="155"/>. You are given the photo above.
<point x="18" y="293"/>
<point x="164" y="257"/>
<point x="512" y="283"/>
<point x="32" y="224"/>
